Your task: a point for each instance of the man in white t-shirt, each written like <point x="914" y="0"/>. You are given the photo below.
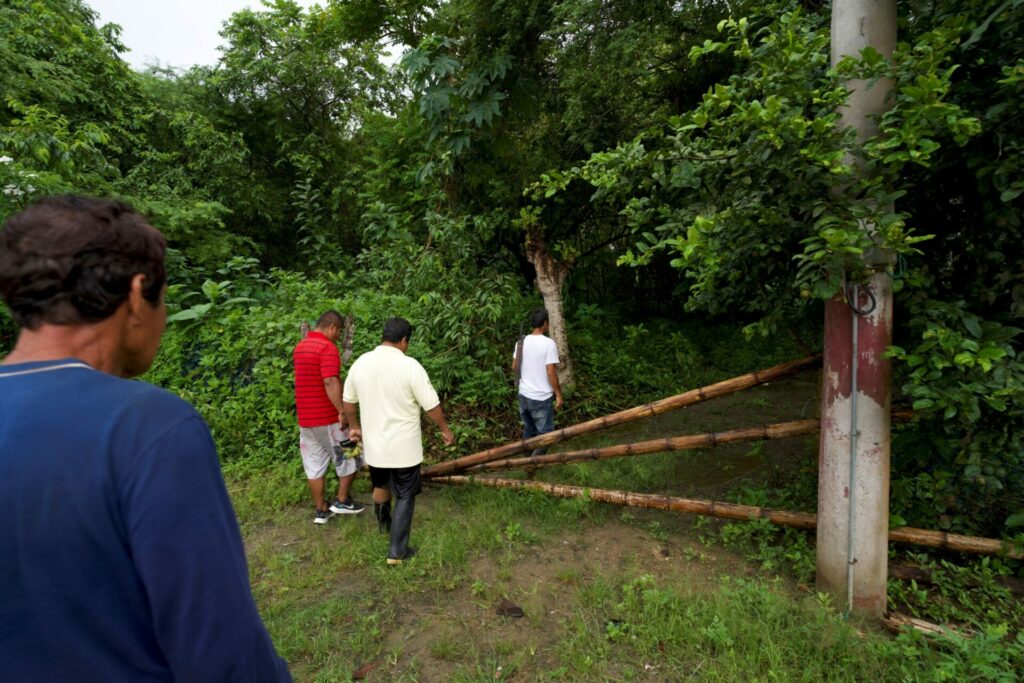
<point x="390" y="388"/>
<point x="535" y="362"/>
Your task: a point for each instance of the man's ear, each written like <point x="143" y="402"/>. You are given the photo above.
<point x="136" y="299"/>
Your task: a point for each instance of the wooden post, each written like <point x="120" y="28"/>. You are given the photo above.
<point x="665" y="405"/>
<point x="853" y="464"/>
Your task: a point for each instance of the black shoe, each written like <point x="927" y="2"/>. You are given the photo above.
<point x="382" y="511"/>
<point x="401" y="526"/>
<point x="410" y="553"/>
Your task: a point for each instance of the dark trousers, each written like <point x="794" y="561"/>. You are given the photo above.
<point x="404" y="482"/>
<point x="538" y="416"/>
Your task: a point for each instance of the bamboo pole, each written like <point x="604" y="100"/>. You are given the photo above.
<point x="947" y="541"/>
<point x="729" y="386"/>
<point x="800" y="520"/>
<point x="781" y="430"/>
<point x="897" y="622"/>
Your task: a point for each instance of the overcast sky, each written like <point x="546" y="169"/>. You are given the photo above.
<point x="178" y="33"/>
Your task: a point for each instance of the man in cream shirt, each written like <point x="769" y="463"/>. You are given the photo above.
<point x="390" y="388"/>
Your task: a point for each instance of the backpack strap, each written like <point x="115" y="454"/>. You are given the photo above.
<point x="519" y="359"/>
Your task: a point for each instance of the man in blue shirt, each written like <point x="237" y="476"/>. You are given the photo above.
<point x="120" y="555"/>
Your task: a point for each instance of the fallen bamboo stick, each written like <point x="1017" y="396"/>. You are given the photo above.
<point x="800" y="520"/>
<point x="724" y="388"/>
<point x="781" y="430"/>
<point x="896" y="622"/>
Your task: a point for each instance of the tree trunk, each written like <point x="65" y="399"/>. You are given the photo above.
<point x="551" y="276"/>
<point x="348" y="333"/>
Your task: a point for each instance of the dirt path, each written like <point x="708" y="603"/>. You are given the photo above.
<point x="543" y="582"/>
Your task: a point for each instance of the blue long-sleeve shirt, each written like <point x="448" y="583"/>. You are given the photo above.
<point x="120" y="554"/>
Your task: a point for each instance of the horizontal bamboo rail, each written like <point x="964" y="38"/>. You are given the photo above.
<point x="947" y="541"/>
<point x="800" y="520"/>
<point x="781" y="430"/>
<point x="724" y="388"/>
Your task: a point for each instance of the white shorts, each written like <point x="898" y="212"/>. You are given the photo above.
<point x="320" y="445"/>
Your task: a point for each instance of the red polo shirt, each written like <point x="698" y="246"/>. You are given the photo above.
<point x="315" y="358"/>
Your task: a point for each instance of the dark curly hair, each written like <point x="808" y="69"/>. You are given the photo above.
<point x="70" y="260"/>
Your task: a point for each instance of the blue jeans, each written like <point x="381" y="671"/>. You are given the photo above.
<point x="538" y="416"/>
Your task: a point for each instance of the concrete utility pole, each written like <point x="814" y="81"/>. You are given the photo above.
<point x="853" y="459"/>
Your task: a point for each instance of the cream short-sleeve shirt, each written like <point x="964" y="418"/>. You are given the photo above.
<point x="390" y="388"/>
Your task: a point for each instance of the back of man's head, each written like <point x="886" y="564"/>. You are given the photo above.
<point x="396" y="329"/>
<point x="538" y="317"/>
<point x="71" y="260"/>
<point x="329" y="318"/>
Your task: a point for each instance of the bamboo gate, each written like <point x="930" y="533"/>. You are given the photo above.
<point x="465" y="470"/>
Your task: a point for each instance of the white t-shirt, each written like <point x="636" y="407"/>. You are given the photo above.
<point x="538" y="352"/>
<point x="390" y="388"/>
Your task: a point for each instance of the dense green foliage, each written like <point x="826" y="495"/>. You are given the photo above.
<point x="675" y="157"/>
<point x="738" y="191"/>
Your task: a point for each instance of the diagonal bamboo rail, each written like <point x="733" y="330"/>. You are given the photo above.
<point x="800" y="520"/>
<point x="724" y="388"/>
<point x="780" y="430"/>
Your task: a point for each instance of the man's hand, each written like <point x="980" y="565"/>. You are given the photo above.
<point x="552" y="371"/>
<point x="350" y="419"/>
<point x="342" y="420"/>
<point x="436" y="415"/>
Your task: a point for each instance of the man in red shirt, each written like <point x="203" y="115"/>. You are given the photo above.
<point x="321" y="420"/>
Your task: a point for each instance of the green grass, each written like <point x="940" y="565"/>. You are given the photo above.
<point x="600" y="604"/>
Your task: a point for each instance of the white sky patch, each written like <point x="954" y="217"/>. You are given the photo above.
<point x="178" y="33"/>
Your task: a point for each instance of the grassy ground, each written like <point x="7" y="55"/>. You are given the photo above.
<point x="607" y="594"/>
